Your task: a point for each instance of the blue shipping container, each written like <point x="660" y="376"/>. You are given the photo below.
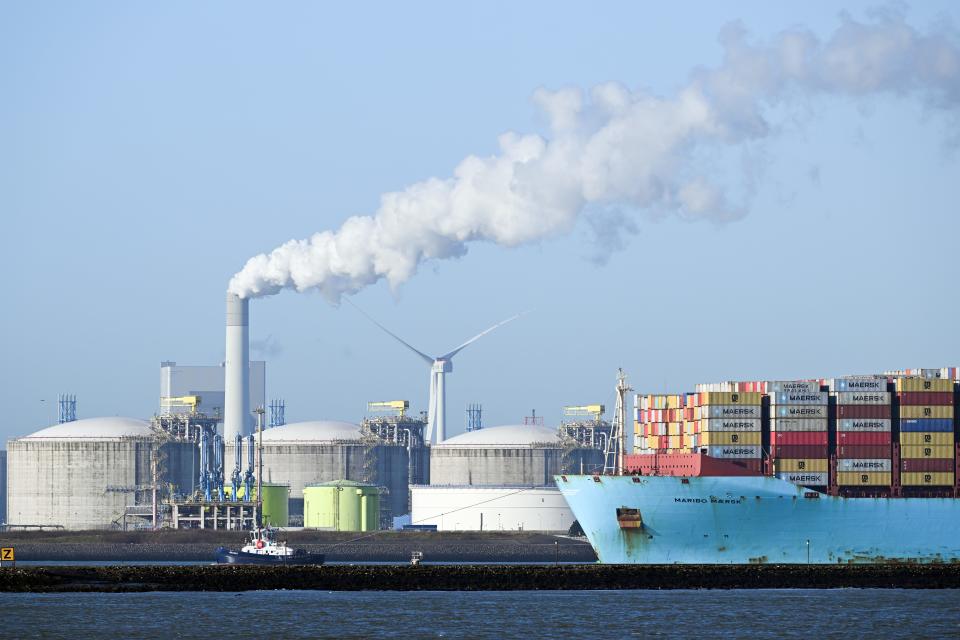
<point x="926" y="424"/>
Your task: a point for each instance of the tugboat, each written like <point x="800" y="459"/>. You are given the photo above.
<point x="264" y="548"/>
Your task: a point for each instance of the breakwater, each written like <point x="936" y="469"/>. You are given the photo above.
<point x="475" y="577"/>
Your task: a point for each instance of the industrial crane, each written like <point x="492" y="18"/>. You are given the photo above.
<point x="398" y="407"/>
<point x="595" y="410"/>
<point x="181" y="401"/>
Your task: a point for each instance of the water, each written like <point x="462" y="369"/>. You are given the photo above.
<point x="573" y="615"/>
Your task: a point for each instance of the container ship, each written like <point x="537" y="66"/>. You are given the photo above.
<point x="858" y="469"/>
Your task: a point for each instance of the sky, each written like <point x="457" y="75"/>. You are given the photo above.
<point x="791" y="223"/>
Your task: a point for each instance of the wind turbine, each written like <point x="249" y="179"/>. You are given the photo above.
<point x="439" y="368"/>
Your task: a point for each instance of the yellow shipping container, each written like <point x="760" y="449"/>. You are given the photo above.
<point x="798" y="464"/>
<point x="653" y="442"/>
<point x="675" y="442"/>
<point x="926" y="438"/>
<point x="729" y="397"/>
<point x="850" y="478"/>
<point x="714" y="438"/>
<point x="940" y="412"/>
<point x="929" y="451"/>
<point x="927" y="478"/>
<point x="922" y="384"/>
<point x="674" y="428"/>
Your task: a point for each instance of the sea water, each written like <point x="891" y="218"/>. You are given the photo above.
<point x="574" y="615"/>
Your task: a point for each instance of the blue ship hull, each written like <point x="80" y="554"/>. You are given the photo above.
<point x="754" y="519"/>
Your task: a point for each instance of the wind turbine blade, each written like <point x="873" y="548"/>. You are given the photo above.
<point x="425" y="357"/>
<point x="447" y="356"/>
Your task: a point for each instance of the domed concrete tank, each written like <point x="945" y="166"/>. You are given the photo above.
<point x="304" y="453"/>
<point x="84" y="474"/>
<point x="341" y="506"/>
<point x="511" y="455"/>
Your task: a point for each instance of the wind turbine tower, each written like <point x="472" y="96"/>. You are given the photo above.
<point x="439" y="368"/>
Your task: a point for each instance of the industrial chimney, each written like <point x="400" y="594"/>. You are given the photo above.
<point x="236" y="385"/>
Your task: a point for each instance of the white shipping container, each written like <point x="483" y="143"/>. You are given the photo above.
<point x="799" y="411"/>
<point x="859" y="384"/>
<point x="863" y="424"/>
<point x="795" y="386"/>
<point x="799" y="397"/>
<point x="798" y="424"/>
<point x="728" y="424"/>
<point x="863" y="397"/>
<point x="727" y="411"/>
<point x="805" y="478"/>
<point x="705" y="387"/>
<point x="863" y="464"/>
<point x="732" y="451"/>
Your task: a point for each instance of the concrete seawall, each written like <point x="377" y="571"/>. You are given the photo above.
<point x="475" y="577"/>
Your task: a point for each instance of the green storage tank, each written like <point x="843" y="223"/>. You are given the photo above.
<point x="341" y="505"/>
<point x="276" y="502"/>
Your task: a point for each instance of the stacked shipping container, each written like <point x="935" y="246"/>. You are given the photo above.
<point x="727" y="420"/>
<point x="927" y="444"/>
<point x="726" y="424"/>
<point x="799" y="432"/>
<point x="863" y="431"/>
<point x="658" y="423"/>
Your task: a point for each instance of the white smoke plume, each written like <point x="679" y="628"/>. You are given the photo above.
<point x="612" y="148"/>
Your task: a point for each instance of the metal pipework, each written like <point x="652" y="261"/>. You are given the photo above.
<point x="237" y="459"/>
<point x="248" y="476"/>
<point x="218" y="465"/>
<point x="204" y="479"/>
<point x="236" y="383"/>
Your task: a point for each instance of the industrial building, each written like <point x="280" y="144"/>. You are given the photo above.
<point x="475" y="508"/>
<point x="304" y="453"/>
<point x="207" y="383"/>
<point x="3" y="487"/>
<point x="94" y="473"/>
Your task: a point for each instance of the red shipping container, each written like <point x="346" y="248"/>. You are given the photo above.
<point x="798" y="437"/>
<point x="799" y="451"/>
<point x="926" y="398"/>
<point x="863" y="411"/>
<point x="926" y="464"/>
<point x="863" y="451"/>
<point x="862" y="437"/>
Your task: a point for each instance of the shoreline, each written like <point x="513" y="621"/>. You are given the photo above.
<point x="338" y="547"/>
<point x="474" y="577"/>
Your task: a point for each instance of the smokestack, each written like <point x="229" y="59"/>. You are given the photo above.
<point x="236" y="404"/>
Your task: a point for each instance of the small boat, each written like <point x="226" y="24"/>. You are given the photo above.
<point x="264" y="548"/>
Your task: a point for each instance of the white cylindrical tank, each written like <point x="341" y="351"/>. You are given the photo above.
<point x="84" y="474"/>
<point x="236" y="383"/>
<point x="514" y="455"/>
<point x="490" y="508"/>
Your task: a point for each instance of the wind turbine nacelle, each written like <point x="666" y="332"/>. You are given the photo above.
<point x="442" y="366"/>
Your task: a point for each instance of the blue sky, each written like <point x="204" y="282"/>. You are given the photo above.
<point x="147" y="151"/>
